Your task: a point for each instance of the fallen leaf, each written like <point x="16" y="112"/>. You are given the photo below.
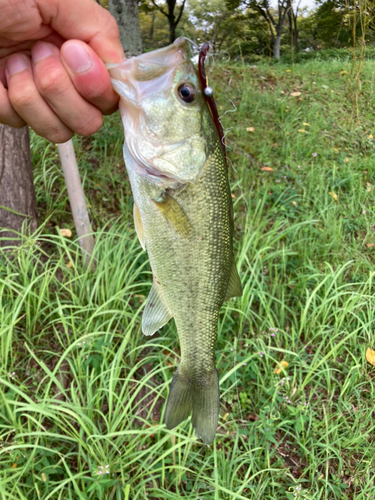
<point x="302" y="131"/>
<point x="370" y="356"/>
<point x="334" y="195"/>
<point x="250" y="129"/>
<point x="280" y="366"/>
<point x="294" y="203"/>
<point x="253" y="417"/>
<point x="66" y="233"/>
<point x="369" y="245"/>
<point x="69" y="264"/>
<point x="267" y="169"/>
<point x="295" y="94"/>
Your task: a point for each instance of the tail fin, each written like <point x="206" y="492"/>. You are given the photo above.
<point x="199" y="396"/>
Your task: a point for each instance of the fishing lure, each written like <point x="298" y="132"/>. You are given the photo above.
<point x="209" y="94"/>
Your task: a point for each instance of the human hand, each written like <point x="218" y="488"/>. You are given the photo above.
<point x="52" y="73"/>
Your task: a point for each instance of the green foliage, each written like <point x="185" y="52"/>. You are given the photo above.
<point x="82" y="392"/>
<point x="238" y="28"/>
<point x="343" y="55"/>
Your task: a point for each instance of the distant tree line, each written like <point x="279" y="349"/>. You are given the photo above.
<point x="245" y="28"/>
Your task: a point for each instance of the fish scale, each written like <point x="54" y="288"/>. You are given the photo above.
<point x="183" y="215"/>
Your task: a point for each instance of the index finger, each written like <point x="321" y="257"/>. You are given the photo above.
<point x="87" y="21"/>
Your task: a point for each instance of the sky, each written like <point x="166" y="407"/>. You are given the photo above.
<point x="304" y="3"/>
<point x="307" y="3"/>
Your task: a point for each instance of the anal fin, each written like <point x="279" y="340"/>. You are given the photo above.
<point x="156" y="313"/>
<point x="234" y="285"/>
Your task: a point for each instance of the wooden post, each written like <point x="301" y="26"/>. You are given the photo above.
<point x="77" y="199"/>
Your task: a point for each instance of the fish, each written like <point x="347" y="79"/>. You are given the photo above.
<point x="183" y="217"/>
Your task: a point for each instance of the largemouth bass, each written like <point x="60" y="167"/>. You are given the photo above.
<point x="183" y="217"/>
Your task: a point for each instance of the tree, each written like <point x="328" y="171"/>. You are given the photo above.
<point x="211" y="20"/>
<point x="126" y="14"/>
<point x="292" y="21"/>
<point x="170" y="15"/>
<point x="17" y="196"/>
<point x="154" y="29"/>
<point x="275" y="20"/>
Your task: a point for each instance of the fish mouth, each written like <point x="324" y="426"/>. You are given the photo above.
<point x="156" y="174"/>
<point x="150" y="64"/>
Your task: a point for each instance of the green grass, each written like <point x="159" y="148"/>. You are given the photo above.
<point x="82" y="390"/>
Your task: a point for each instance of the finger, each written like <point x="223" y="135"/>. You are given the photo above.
<point x="89" y="75"/>
<point x="29" y="104"/>
<point x="8" y="116"/>
<point x="87" y="21"/>
<point x="56" y="87"/>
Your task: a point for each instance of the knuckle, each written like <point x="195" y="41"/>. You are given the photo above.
<point x="22" y="97"/>
<point x="14" y="121"/>
<point x="112" y="26"/>
<point x="52" y="82"/>
<point x="94" y="93"/>
<point x="58" y="136"/>
<point x="90" y="125"/>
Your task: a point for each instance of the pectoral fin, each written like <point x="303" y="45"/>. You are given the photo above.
<point x="234" y="285"/>
<point x="156" y="313"/>
<point x="139" y="226"/>
<point x="175" y="215"/>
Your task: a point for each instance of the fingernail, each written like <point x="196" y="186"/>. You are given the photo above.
<point x="41" y="51"/>
<point x="77" y="58"/>
<point x="16" y="63"/>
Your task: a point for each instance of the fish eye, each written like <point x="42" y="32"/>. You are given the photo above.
<point x="187" y="92"/>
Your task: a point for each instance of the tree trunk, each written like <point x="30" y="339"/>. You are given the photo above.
<point x="17" y="196"/>
<point x="276" y="47"/>
<point x="293" y="29"/>
<point x="172" y="28"/>
<point x="151" y="35"/>
<point x="126" y="14"/>
<point x="295" y="33"/>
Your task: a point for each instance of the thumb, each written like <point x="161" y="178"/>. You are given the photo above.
<point x="87" y="21"/>
<point x="89" y="75"/>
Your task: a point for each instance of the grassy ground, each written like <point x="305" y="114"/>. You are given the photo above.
<point x="82" y="391"/>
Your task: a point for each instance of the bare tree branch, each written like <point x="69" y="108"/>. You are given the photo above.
<point x="159" y="8"/>
<point x="180" y="14"/>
